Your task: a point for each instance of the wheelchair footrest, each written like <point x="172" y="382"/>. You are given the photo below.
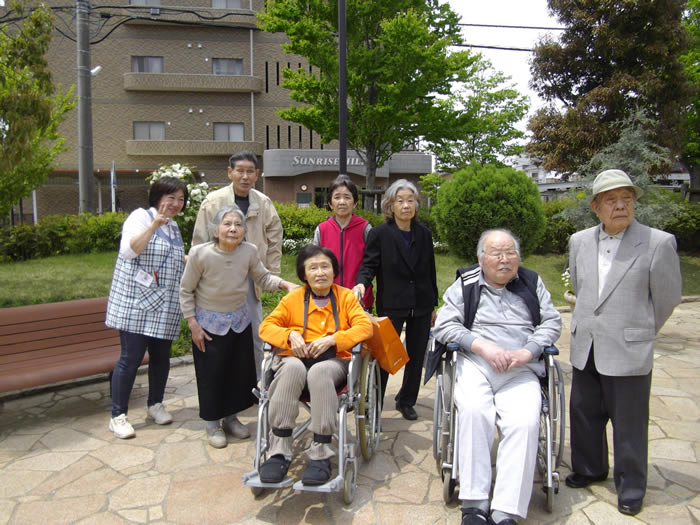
<point x="252" y="479"/>
<point x="333" y="485"/>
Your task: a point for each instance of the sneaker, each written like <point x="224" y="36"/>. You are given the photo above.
<point x="235" y="428"/>
<point x="216" y="437"/>
<point x="159" y="415"/>
<point x="121" y="427"/>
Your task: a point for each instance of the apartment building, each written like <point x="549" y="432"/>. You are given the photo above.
<point x="191" y="84"/>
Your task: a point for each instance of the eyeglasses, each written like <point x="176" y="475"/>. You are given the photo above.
<point x="499" y="255"/>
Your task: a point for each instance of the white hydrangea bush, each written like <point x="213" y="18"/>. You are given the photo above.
<point x="197" y="191"/>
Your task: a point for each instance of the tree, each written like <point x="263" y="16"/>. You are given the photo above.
<point x="638" y="155"/>
<point x="482" y="197"/>
<point x="31" y="108"/>
<point x="691" y="61"/>
<point x="612" y="58"/>
<point x="485" y="112"/>
<point x="398" y="64"/>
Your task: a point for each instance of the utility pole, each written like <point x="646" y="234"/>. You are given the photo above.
<point x="342" y="89"/>
<point x="86" y="183"/>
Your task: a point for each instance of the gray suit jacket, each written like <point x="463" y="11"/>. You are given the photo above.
<point x="641" y="291"/>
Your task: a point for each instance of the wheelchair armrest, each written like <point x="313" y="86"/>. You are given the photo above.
<point x="453" y="347"/>
<point x="357" y="349"/>
<point x="551" y="350"/>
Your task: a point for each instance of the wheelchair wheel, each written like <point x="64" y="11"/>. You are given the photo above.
<point x="370" y="425"/>
<point x="349" y="483"/>
<point x="558" y="415"/>
<point x="437" y="423"/>
<point x="448" y="486"/>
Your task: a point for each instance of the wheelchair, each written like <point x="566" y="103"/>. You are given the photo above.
<point x="359" y="396"/>
<point x="552" y="424"/>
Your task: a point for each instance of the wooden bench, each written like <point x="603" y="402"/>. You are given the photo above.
<point x="47" y="343"/>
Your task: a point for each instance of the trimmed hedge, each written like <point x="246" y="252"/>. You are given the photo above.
<point x="86" y="233"/>
<point x="61" y="234"/>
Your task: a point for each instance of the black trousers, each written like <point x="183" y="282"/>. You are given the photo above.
<point x="417" y="333"/>
<point x="624" y="400"/>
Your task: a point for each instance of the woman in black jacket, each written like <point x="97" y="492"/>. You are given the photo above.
<point x="399" y="253"/>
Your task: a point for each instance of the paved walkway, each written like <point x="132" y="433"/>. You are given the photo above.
<point x="60" y="464"/>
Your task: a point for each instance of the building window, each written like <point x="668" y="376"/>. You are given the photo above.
<point x="227" y="66"/>
<point x="149" y="130"/>
<point x="145" y="2"/>
<point x="303" y="200"/>
<point x="146" y="64"/>
<point x="321" y="196"/>
<point x="228" y="131"/>
<point x="226" y="4"/>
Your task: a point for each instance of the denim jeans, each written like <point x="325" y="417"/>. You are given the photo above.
<point x="134" y="347"/>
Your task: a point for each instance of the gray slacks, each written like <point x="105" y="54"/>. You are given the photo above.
<point x="290" y="378"/>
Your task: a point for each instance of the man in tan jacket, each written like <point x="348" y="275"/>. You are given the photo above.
<point x="264" y="228"/>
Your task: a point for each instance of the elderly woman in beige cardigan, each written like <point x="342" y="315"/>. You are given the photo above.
<point x="213" y="300"/>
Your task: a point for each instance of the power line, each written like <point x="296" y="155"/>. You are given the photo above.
<point x="500" y="48"/>
<point x="515" y="27"/>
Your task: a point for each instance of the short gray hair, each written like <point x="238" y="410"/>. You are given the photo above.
<point x="482" y="241"/>
<point x="223" y="212"/>
<point x="390" y="197"/>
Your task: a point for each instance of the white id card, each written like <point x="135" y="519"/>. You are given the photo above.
<point x="143" y="278"/>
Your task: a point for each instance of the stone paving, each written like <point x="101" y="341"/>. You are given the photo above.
<point x="60" y="464"/>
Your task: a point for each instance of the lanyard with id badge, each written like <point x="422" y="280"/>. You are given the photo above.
<point x="152" y="297"/>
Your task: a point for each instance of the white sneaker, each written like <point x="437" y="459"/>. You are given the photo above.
<point x="216" y="437"/>
<point x="121" y="427"/>
<point x="233" y="426"/>
<point x="159" y="415"/>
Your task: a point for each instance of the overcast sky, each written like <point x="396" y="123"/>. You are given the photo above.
<point x="507" y="12"/>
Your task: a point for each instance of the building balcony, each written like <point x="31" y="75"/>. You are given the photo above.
<point x="193" y="148"/>
<point x="196" y="83"/>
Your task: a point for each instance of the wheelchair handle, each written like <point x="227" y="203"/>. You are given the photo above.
<point x="551" y="350"/>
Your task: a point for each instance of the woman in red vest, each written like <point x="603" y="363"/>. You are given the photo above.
<point x="344" y="233"/>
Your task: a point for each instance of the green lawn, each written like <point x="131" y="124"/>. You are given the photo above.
<point x="67" y="277"/>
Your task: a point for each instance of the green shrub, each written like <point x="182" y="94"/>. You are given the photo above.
<point x="686" y="227"/>
<point x="62" y="234"/>
<point x="429" y="219"/>
<point x="482" y="197"/>
<point x="18" y="243"/>
<point x="300" y="223"/>
<point x="557" y="229"/>
<point x="96" y="233"/>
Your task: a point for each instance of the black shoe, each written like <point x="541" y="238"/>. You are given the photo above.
<point x="317" y="472"/>
<point x="630" y="507"/>
<point x="274" y="469"/>
<point x="579" y="481"/>
<point x="408" y="412"/>
<point x="475" y="516"/>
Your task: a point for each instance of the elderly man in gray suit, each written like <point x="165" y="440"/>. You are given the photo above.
<point x="627" y="281"/>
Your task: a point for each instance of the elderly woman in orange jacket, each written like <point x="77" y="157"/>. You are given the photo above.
<point x="313" y="329"/>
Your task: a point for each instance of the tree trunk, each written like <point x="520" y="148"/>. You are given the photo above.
<point x="370" y="176"/>
<point x="694" y="171"/>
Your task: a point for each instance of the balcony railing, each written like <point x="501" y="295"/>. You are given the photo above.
<point x="193" y="148"/>
<point x="189" y="82"/>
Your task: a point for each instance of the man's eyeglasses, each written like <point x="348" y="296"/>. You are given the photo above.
<point x="499" y="255"/>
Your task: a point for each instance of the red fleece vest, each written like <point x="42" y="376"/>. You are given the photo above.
<point x="348" y="246"/>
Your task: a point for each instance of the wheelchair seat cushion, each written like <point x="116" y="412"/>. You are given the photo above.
<point x="274" y="469"/>
<point x="317" y="472"/>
